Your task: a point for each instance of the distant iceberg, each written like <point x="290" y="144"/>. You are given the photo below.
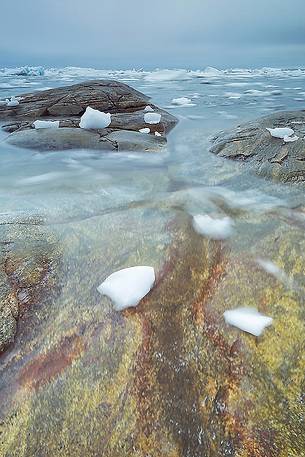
<point x="23" y="71"/>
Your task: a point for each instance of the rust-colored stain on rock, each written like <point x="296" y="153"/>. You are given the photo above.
<point x="48" y="366"/>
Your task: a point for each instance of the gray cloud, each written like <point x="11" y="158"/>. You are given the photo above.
<point x="165" y="33"/>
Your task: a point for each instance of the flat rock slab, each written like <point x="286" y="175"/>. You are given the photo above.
<point x="268" y="156"/>
<point x="72" y="138"/>
<point x="67" y="104"/>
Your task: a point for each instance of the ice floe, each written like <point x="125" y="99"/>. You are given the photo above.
<point x="247" y="319"/>
<point x="283" y="133"/>
<point x="216" y="229"/>
<point x="182" y="101"/>
<point x="46" y="124"/>
<point x="127" y="287"/>
<point x="144" y="130"/>
<point x="94" y="119"/>
<point x="167" y="75"/>
<point x="233" y="95"/>
<point x="152" y="118"/>
<point x="148" y="108"/>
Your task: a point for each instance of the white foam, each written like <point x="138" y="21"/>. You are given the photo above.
<point x="38" y="179"/>
<point x="94" y="119"/>
<point x="152" y="118"/>
<point x="46" y="124"/>
<point x="247" y="319"/>
<point x="216" y="229"/>
<point x="127" y="287"/>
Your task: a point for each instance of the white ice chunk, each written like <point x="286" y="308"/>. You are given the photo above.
<point x="281" y="132"/>
<point x="148" y="108"/>
<point x="216" y="229"/>
<point x="94" y="119"/>
<point x="128" y="286"/>
<point x="290" y="139"/>
<point x="181" y="101"/>
<point x="247" y="319"/>
<point x="157" y="134"/>
<point x="13" y="102"/>
<point x="46" y="124"/>
<point x="152" y="118"/>
<point x="145" y="130"/>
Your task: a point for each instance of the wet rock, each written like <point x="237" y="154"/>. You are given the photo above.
<point x="67" y="104"/>
<point x="75" y="138"/>
<point x="168" y="378"/>
<point x="27" y="258"/>
<point x="268" y="156"/>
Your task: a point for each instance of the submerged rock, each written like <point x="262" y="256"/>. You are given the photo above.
<point x="269" y="156"/>
<point x="126" y="106"/>
<point x="27" y="258"/>
<point x="168" y="378"/>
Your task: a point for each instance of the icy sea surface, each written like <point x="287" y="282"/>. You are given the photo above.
<point x="72" y="185"/>
<point x="169" y="378"/>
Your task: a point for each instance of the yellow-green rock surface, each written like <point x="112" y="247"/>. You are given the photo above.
<point x="168" y="378"/>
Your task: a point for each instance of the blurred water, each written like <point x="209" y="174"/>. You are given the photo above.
<point x="64" y="186"/>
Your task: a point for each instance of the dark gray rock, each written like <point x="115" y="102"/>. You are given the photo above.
<point x="268" y="156"/>
<point x="67" y="104"/>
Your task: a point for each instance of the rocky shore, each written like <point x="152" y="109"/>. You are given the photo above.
<point x="67" y="104"/>
<point x="268" y="156"/>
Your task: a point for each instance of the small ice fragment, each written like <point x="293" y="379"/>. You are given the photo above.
<point x="247" y="319"/>
<point x="145" y="130"/>
<point x="12" y="102"/>
<point x="46" y="124"/>
<point x="128" y="286"/>
<point x="272" y="269"/>
<point x="148" y="108"/>
<point x="216" y="229"/>
<point x="181" y="101"/>
<point x="94" y="119"/>
<point x="281" y="132"/>
<point x="157" y="134"/>
<point x="290" y="139"/>
<point x="152" y="118"/>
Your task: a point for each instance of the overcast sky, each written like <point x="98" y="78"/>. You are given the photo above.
<point x="153" y="33"/>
